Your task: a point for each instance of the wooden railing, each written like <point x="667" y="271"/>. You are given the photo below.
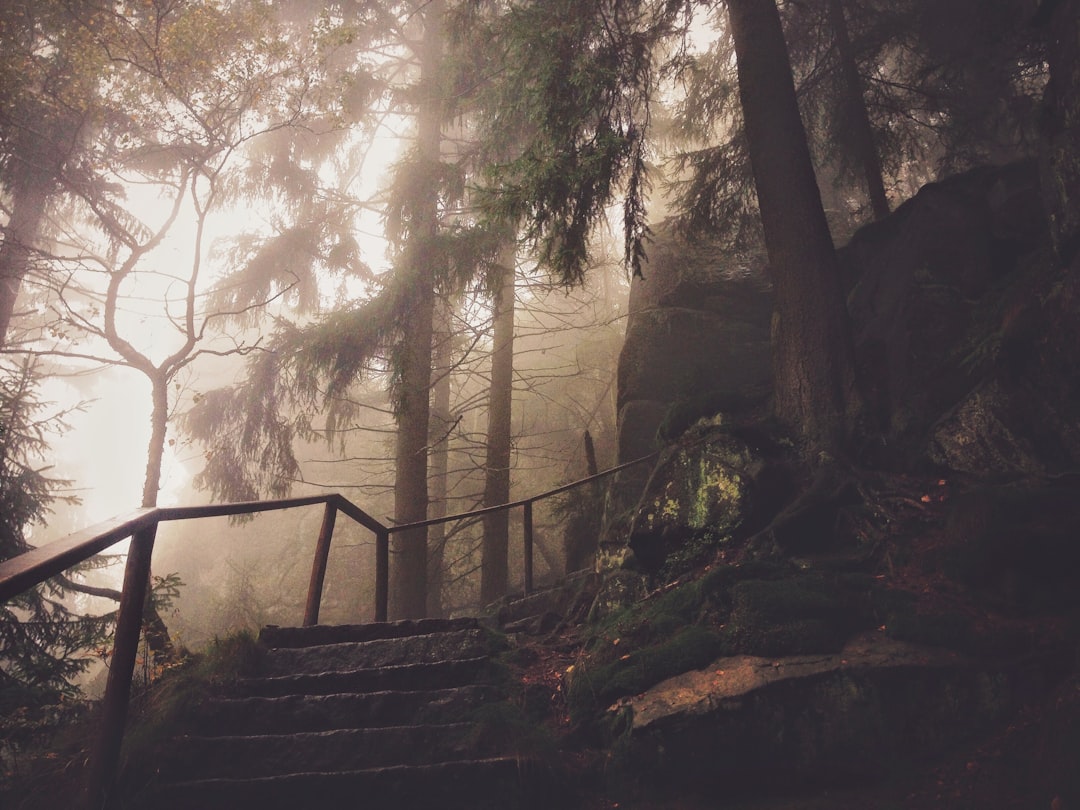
<point x="21" y="573"/>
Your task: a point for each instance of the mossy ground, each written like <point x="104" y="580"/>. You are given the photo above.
<point x="906" y="566"/>
<point x="756" y="608"/>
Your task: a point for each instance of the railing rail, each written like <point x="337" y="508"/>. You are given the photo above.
<point x="21" y="573"/>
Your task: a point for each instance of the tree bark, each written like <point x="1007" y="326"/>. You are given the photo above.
<point x="439" y="441"/>
<point x="862" y="132"/>
<point x="408" y="552"/>
<point x="157" y="632"/>
<point x="494" y="560"/>
<point x="1061" y="126"/>
<point x="28" y="203"/>
<point x="812" y="354"/>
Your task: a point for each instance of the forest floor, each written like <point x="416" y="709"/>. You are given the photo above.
<point x="1025" y="763"/>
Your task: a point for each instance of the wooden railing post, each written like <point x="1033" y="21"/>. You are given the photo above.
<point x="318" y="566"/>
<point x="528" y="551"/>
<point x="101" y="772"/>
<point x="382" y="573"/>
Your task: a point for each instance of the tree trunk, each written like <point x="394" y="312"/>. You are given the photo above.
<point x="862" y="132"/>
<point x="28" y="201"/>
<point x="157" y="633"/>
<point x="408" y="552"/>
<point x="1061" y="126"/>
<point x="439" y="441"/>
<point x="493" y="568"/>
<point x="812" y="354"/>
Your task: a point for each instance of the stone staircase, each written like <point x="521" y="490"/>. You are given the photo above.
<point x="376" y="716"/>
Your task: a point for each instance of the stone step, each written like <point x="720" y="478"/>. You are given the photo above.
<point x="274" y="636"/>
<point x="300" y="712"/>
<point x="268" y="755"/>
<point x="407" y="677"/>
<point x="496" y="783"/>
<point x="357" y="716"/>
<point x="383" y="652"/>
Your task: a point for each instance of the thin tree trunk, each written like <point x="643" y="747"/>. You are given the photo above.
<point x="812" y="353"/>
<point x="494" y="573"/>
<point x="439" y="440"/>
<point x="862" y="133"/>
<point x="20" y="235"/>
<point x="157" y="633"/>
<point x="1061" y="126"/>
<point x="408" y="553"/>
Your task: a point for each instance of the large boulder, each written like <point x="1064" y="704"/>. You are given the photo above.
<point x="954" y="304"/>
<point x="746" y="721"/>
<point x="698" y="327"/>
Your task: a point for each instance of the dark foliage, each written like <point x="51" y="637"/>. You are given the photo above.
<point x="43" y="643"/>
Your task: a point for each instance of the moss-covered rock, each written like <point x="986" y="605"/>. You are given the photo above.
<point x="699" y="320"/>
<point x="793" y="616"/>
<point x="746" y="722"/>
<point x="757" y="608"/>
<point x="697" y="488"/>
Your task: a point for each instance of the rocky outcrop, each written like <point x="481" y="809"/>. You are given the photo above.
<point x="960" y="318"/>
<point x="698" y="328"/>
<point x="746" y="721"/>
<point x="697" y="344"/>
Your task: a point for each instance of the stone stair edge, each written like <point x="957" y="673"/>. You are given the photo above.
<point x="275" y="636"/>
<point x="360" y="671"/>
<point x="433" y="692"/>
<point x="325" y="734"/>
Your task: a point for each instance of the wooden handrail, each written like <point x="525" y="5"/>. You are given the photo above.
<point x="21" y="573"/>
<point x="523" y="501"/>
<point x="527" y="505"/>
<point x="37" y="565"/>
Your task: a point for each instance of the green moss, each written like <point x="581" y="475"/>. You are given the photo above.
<point x="899" y="613"/>
<point x="792" y="616"/>
<point x="593" y="687"/>
<point x="761" y="608"/>
<point x="703" y="489"/>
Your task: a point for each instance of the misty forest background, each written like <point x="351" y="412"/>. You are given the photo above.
<point x="254" y="248"/>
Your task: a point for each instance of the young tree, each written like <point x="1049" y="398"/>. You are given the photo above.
<point x="855" y="115"/>
<point x="391" y="329"/>
<point x="172" y="122"/>
<point x="195" y="112"/>
<point x="44" y="644"/>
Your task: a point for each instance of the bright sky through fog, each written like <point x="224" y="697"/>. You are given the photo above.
<point x="105" y="451"/>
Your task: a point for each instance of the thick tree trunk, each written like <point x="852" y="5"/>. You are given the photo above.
<point x="494" y="573"/>
<point x="862" y="132"/>
<point x="812" y="354"/>
<point x="408" y="552"/>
